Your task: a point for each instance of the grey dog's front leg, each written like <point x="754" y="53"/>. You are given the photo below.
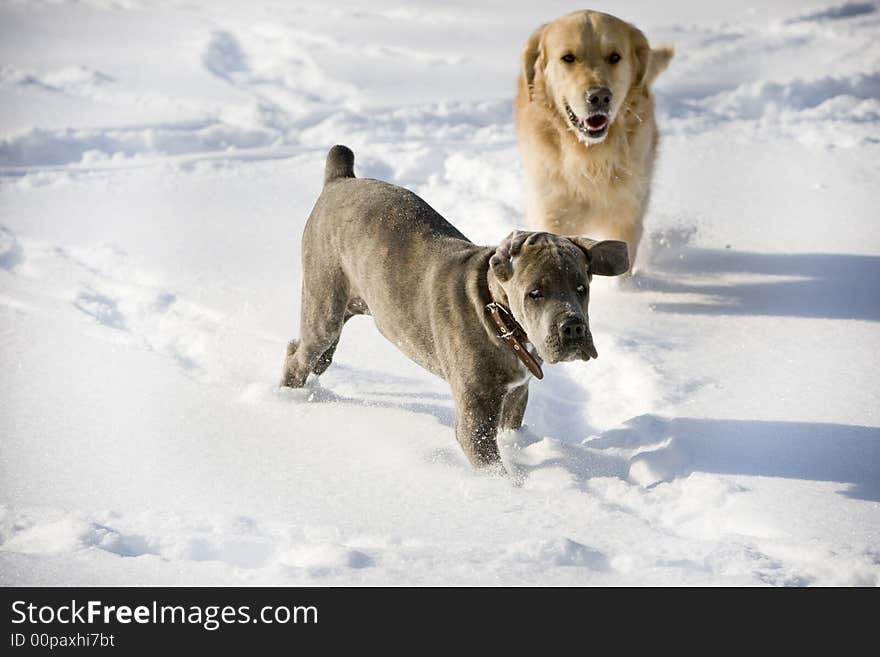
<point x="476" y="425"/>
<point x="514" y="407"/>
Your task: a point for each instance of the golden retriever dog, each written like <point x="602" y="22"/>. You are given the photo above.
<point x="585" y="126"/>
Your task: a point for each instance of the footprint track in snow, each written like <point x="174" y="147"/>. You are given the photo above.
<point x="101" y="284"/>
<point x="240" y="542"/>
<point x="122" y="297"/>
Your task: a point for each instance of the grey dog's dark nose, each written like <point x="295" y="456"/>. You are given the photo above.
<point x="573" y="328"/>
<point x="598" y="99"/>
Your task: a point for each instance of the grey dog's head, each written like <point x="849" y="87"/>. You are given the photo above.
<point x="546" y="279"/>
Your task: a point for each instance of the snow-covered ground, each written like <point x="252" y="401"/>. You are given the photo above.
<point x="157" y="164"/>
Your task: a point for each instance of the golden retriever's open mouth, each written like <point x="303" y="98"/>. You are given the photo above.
<point x="594" y="127"/>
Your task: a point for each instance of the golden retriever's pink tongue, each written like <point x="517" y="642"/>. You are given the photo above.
<point x="597" y="122"/>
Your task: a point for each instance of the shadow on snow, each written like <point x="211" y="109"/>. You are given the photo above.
<point x="817" y="285"/>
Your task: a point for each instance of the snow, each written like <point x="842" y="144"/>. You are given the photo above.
<point x="157" y="164"/>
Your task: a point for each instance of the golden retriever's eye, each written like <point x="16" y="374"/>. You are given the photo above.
<point x="614" y="57"/>
<point x="536" y="294"/>
<point x="568" y="58"/>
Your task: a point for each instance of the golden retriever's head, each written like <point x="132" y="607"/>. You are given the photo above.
<point x="585" y="65"/>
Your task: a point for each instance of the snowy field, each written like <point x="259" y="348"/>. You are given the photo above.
<point x="157" y="165"/>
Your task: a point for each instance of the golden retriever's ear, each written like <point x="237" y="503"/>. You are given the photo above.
<point x="658" y="61"/>
<point x="605" y="258"/>
<point x="532" y="59"/>
<point x="642" y="54"/>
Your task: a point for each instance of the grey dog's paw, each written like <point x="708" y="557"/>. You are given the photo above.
<point x="511" y="473"/>
<point x="288" y="380"/>
<point x="517" y="475"/>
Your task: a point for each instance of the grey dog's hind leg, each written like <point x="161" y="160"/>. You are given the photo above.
<point x="323" y="315"/>
<point x="325" y="359"/>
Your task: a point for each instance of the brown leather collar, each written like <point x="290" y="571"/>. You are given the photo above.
<point x="514" y="336"/>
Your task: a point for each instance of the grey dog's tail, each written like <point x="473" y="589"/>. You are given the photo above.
<point x="340" y="164"/>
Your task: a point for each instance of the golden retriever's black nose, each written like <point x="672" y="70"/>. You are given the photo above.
<point x="573" y="328"/>
<point x="598" y="99"/>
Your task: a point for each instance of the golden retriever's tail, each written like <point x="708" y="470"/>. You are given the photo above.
<point x="340" y="164"/>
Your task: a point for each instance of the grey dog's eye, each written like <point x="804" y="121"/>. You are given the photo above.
<point x="582" y="289"/>
<point x="536" y="294"/>
<point x="614" y="58"/>
<point x="568" y="58"/>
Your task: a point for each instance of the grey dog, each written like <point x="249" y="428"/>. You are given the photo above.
<point x="371" y="248"/>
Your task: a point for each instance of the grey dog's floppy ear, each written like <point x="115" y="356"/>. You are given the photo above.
<point x="605" y="258"/>
<point x="530" y="56"/>
<point x="501" y="261"/>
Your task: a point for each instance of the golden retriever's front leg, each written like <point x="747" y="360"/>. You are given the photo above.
<point x="537" y="216"/>
<point x="631" y="233"/>
<point x="565" y="216"/>
<point x="625" y="222"/>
